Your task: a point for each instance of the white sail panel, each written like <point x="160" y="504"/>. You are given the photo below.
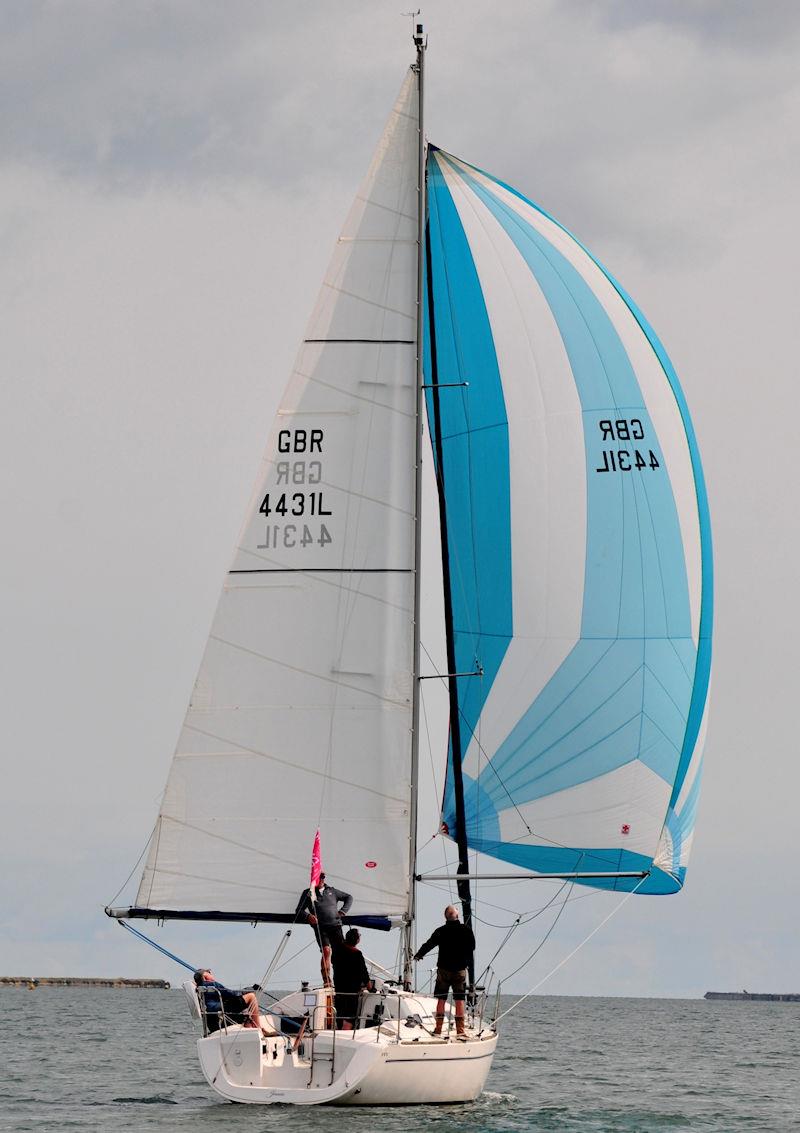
<point x="301" y="712"/>
<point x="657" y="394"/>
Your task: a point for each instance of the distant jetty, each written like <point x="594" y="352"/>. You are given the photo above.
<point x="77" y="981"/>
<point x="757" y="996"/>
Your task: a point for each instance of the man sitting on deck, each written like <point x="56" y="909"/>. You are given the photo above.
<point x="222" y="1005"/>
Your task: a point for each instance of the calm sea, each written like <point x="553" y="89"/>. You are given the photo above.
<point x="125" y="1060"/>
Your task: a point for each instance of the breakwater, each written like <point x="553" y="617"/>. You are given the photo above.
<point x="757" y="996"/>
<point x="78" y="981"/>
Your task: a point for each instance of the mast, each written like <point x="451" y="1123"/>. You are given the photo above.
<point x="408" y="950"/>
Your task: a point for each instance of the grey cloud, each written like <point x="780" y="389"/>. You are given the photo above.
<point x="175" y="91"/>
<point x="739" y="24"/>
<point x="595" y="111"/>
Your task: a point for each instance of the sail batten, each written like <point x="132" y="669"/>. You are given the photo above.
<point x="580" y="560"/>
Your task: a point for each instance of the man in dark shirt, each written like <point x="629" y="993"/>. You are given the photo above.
<point x="456" y="945"/>
<point x="218" y="1000"/>
<point x="350" y="976"/>
<point x="321" y="910"/>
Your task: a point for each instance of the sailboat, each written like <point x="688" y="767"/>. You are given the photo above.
<point x="577" y="595"/>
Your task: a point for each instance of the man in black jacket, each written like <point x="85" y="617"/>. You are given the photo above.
<point x="322" y="912"/>
<point x="456" y="945"/>
<point x="350" y="976"/>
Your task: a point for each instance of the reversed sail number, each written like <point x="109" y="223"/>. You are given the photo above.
<point x="624" y="459"/>
<point x="295" y="535"/>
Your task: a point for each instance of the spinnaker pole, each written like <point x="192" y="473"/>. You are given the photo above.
<point x="408" y="944"/>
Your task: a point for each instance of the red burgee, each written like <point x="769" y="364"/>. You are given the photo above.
<point x="316" y="862"/>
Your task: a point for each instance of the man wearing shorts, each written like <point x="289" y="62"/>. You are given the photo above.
<point x="322" y="912"/>
<point x="456" y="945"/>
<point x="223" y="1005"/>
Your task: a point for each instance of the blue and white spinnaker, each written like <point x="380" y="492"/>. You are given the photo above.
<point x="578" y="546"/>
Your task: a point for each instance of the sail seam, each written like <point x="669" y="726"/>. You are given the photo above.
<point x="570" y="731"/>
<point x="317" y="572"/>
<point x="306" y="672"/>
<point x="557" y="707"/>
<point x="664" y="689"/>
<point x="254" y="849"/>
<point x="368" y="302"/>
<point x="385" y="208"/>
<point x="227" y="881"/>
<point x="351" y="394"/>
<point x="276" y="759"/>
<point x="291" y="893"/>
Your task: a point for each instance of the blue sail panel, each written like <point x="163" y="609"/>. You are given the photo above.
<point x="578" y="545"/>
<point x="474" y="439"/>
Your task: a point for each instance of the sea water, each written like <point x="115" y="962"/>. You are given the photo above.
<point x="116" y="1060"/>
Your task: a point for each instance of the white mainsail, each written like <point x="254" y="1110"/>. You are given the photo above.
<point x="301" y="713"/>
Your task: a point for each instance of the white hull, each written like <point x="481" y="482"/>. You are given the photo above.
<point x="394" y="1064"/>
<point x="242" y="1067"/>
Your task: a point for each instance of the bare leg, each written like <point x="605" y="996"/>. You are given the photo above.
<point x="440" y="1006"/>
<point x="251" y="1008"/>
<point x="325" y="965"/>
<point x="254" y="1013"/>
<point x="459" y="1016"/>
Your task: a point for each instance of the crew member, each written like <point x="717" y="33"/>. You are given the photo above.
<point x="456" y="944"/>
<point x="221" y="1002"/>
<point x="350" y="977"/>
<point x="321" y="910"/>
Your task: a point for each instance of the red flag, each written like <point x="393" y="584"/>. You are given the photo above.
<point x="316" y="862"/>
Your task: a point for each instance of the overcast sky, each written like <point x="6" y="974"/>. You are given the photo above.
<point x="173" y="179"/>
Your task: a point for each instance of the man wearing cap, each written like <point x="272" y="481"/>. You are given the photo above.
<point x="321" y="910"/>
<point x="456" y="944"/>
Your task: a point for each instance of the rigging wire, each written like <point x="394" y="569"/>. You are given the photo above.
<point x="568" y="957"/>
<point x="136" y="865"/>
<point x="294" y="956"/>
<point x="528" y="914"/>
<point x="546" y="936"/>
<point x="523" y="919"/>
<point x="171" y="955"/>
<point x="532" y="914"/>
<point x="185" y="963"/>
<point x="439" y="794"/>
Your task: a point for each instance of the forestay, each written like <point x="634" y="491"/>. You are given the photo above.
<point x="300" y="717"/>
<point x="578" y="545"/>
